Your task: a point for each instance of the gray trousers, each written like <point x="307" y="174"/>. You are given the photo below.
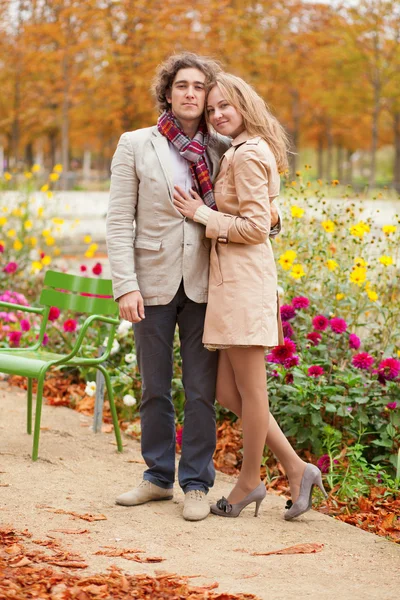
<point x="154" y="337"/>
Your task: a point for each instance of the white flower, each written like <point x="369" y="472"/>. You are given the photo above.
<point x="124" y="328"/>
<point x="130" y="358"/>
<point x="129" y="400"/>
<point x="134" y="428"/>
<point x="90" y="388"/>
<point x="114" y="347"/>
<point x="125" y="379"/>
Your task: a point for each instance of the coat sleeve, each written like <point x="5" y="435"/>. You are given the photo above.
<point x="121" y="217"/>
<point x="251" y="184"/>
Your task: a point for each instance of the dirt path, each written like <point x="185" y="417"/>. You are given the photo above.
<point x="82" y="472"/>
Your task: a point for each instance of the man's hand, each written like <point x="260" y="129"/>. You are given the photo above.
<point x="187" y="205"/>
<point x="274" y="215"/>
<point x="131" y="307"/>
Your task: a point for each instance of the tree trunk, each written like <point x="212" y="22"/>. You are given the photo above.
<point x="396" y="165"/>
<point x="339" y="162"/>
<point x="29" y="154"/>
<point x="349" y="173"/>
<point x="65" y="124"/>
<point x="295" y="131"/>
<point x="329" y="154"/>
<point x="320" y="151"/>
<point x="14" y="158"/>
<point x="374" y="134"/>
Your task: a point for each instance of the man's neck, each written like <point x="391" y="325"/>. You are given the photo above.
<point x="189" y="127"/>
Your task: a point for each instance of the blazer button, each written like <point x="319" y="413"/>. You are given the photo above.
<point x="186" y="219"/>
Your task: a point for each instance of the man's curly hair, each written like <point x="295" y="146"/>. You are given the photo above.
<point x="166" y="73"/>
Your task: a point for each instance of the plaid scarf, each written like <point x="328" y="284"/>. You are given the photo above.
<point x="193" y="151"/>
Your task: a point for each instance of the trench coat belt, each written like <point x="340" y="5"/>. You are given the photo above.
<point x="223" y="230"/>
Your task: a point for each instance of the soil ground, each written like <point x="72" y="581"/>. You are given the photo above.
<point x="80" y="471"/>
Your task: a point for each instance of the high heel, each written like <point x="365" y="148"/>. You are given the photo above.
<point x="224" y="509"/>
<point x="311" y="477"/>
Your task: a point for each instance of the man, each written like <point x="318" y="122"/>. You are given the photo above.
<point x="159" y="264"/>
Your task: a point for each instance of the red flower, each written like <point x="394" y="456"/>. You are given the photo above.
<point x="315" y="371"/>
<point x="291" y="362"/>
<point x="179" y="434"/>
<point x="97" y="269"/>
<point x="320" y="322"/>
<point x="300" y="302"/>
<point x="25" y="325"/>
<point x="15" y="338"/>
<point x="363" y="360"/>
<point x="338" y="325"/>
<point x="287" y="329"/>
<point x="54" y="313"/>
<point x="314" y="337"/>
<point x="281" y="353"/>
<point x="287" y="312"/>
<point x="11" y="267"/>
<point x="389" y="368"/>
<point x="289" y="378"/>
<point x="391" y="405"/>
<point x="70" y="325"/>
<point x="42" y="254"/>
<point x="1" y="248"/>
<point x="83" y="268"/>
<point x="354" y="341"/>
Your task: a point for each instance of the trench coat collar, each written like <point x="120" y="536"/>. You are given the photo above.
<point x="242" y="138"/>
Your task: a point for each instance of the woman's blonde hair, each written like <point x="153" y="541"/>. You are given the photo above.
<point x="257" y="118"/>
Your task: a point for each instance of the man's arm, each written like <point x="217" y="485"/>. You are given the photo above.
<point x="120" y="219"/>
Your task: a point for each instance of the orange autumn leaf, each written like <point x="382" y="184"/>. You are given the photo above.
<point x="298" y="549"/>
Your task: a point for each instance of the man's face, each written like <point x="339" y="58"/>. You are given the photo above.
<point x="187" y="95"/>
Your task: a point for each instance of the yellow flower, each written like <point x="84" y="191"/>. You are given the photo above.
<point x="18" y="245"/>
<point x="358" y="275"/>
<point x="360" y="262"/>
<point x="28" y="174"/>
<point x="334" y="182"/>
<point x="87" y="239"/>
<point x="11" y="233"/>
<point x="49" y="240"/>
<point x="386" y="260"/>
<point x="359" y="229"/>
<point x="28" y="225"/>
<point x="294" y="183"/>
<point x="93" y="247"/>
<point x="286" y="259"/>
<point x="44" y="187"/>
<point x="364" y="226"/>
<point x="329" y="226"/>
<point x="56" y="251"/>
<point x="58" y="168"/>
<point x="49" y="194"/>
<point x="58" y="221"/>
<point x="46" y="260"/>
<point x="3" y="221"/>
<point x="89" y="254"/>
<point x="7" y="176"/>
<point x="40" y="211"/>
<point x="46" y="232"/>
<point x="372" y="295"/>
<point x="16" y="212"/>
<point x="36" y="168"/>
<point x="298" y="173"/>
<point x="5" y="210"/>
<point x="296" y="211"/>
<point x="339" y="296"/>
<point x="297" y="271"/>
<point x="388" y="229"/>
<point x="33" y="241"/>
<point x="398" y="353"/>
<point x="36" y="266"/>
<point x="54" y="176"/>
<point x="332" y="264"/>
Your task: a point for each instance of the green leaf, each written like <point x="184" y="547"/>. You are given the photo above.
<point x="329" y="407"/>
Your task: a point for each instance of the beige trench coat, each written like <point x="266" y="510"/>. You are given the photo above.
<point x="242" y="296"/>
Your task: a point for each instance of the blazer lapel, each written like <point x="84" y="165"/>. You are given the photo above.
<point x="161" y="147"/>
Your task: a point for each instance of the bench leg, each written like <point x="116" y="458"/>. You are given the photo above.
<point x="112" y="407"/>
<point x="38" y="414"/>
<point x="29" y="413"/>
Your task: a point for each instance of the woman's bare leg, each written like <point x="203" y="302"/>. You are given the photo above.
<point x="229" y="397"/>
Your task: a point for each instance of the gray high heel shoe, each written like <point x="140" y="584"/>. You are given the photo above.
<point x="311" y="477"/>
<point x="224" y="509"/>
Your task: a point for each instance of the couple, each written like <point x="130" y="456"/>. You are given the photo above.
<point x="190" y="215"/>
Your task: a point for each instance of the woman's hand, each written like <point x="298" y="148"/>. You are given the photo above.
<point x="187" y="205"/>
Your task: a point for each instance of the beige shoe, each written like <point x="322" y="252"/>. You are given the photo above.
<point x="195" y="506"/>
<point x="144" y="492"/>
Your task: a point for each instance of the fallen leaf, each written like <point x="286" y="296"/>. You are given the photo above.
<point x="23" y="562"/>
<point x="71" y="531"/>
<point x="85" y="517"/>
<point x="298" y="549"/>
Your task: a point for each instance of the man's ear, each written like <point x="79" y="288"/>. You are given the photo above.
<point x="168" y="96"/>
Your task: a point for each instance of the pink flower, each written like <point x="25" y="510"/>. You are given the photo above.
<point x="315" y="371"/>
<point x="179" y="435"/>
<point x="388" y="368"/>
<point x="320" y="322"/>
<point x="45" y="339"/>
<point x="1" y="248"/>
<point x="281" y="353"/>
<point x="362" y="361"/>
<point x="354" y="341"/>
<point x="338" y="325"/>
<point x="70" y="325"/>
<point x="83" y="268"/>
<point x="287" y="329"/>
<point x="324" y="463"/>
<point x="15" y="338"/>
<point x="97" y="269"/>
<point x="300" y="302"/>
<point x="11" y="267"/>
<point x="54" y="313"/>
<point x="291" y="362"/>
<point x="25" y="325"/>
<point x="391" y="405"/>
<point x="314" y="337"/>
<point x="287" y="312"/>
<point x="289" y="378"/>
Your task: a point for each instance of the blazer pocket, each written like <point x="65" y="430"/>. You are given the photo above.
<point x="147" y="244"/>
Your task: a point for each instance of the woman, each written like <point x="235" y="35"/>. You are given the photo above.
<point x="242" y="316"/>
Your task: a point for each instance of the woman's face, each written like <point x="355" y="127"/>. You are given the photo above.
<point x="224" y="117"/>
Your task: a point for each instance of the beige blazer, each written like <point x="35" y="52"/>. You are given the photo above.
<point x="242" y="305"/>
<point x="151" y="246"/>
